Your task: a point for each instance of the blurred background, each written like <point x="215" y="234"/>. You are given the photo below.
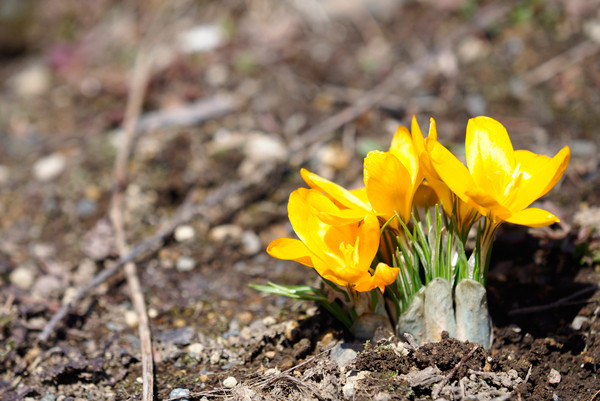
<point x="239" y="85"/>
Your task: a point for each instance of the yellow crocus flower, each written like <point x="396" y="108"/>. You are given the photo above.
<point x="341" y="253"/>
<point x="500" y="183"/>
<point x="391" y="180"/>
<point x="464" y="214"/>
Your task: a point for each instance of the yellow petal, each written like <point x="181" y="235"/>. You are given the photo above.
<point x="490" y="154"/>
<point x="540" y="174"/>
<point x="338" y="193"/>
<point x="533" y="217"/>
<point x="389" y="185"/>
<point x="403" y="148"/>
<point x="426" y="196"/>
<point x="290" y="249"/>
<point x="384" y="275"/>
<point x="368" y="241"/>
<point x="454" y="174"/>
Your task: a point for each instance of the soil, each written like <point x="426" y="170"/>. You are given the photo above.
<point x="278" y="71"/>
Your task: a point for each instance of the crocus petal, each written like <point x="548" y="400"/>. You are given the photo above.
<point x="338" y="193"/>
<point x="290" y="249"/>
<point x="403" y="148"/>
<point x="389" y="185"/>
<point x="540" y="174"/>
<point x="384" y="275"/>
<point x="451" y="170"/>
<point x="533" y="217"/>
<point x="490" y="154"/>
<point x="368" y="241"/>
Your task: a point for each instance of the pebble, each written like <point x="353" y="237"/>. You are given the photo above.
<point x="32" y="81"/>
<point x="251" y="244"/>
<point x="131" y="318"/>
<point x="230" y="382"/>
<point x="554" y="376"/>
<point x="86" y="207"/>
<point x="578" y="321"/>
<point x="201" y="38"/>
<point x="272" y="372"/>
<point x="46" y="285"/>
<point x="184" y="233"/>
<point x="185" y="264"/>
<point x="180" y="336"/>
<point x="344" y="353"/>
<point x="224" y="232"/>
<point x="180" y="392"/>
<point x="49" y="167"/>
<point x="195" y="350"/>
<point x="22" y="277"/>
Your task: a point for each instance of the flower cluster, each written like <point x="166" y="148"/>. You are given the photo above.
<point x="378" y="237"/>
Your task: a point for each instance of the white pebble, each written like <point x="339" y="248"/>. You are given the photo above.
<point x="185" y="264"/>
<point x="184" y="233"/>
<point x="131" y="318"/>
<point x="230" y="382"/>
<point x="49" y="167"/>
<point x="195" y="349"/>
<point x="554" y="376"/>
<point x="22" y="277"/>
<point x="250" y="243"/>
<point x="224" y="232"/>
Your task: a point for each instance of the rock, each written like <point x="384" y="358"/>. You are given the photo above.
<point x="46" y="285"/>
<point x="185" y="264"/>
<point x="224" y="232"/>
<point x="578" y="321"/>
<point x="344" y="353"/>
<point x="184" y="233"/>
<point x="438" y="309"/>
<point x="251" y="244"/>
<point x="180" y="336"/>
<point x="202" y="38"/>
<point x="49" y="167"/>
<point x="412" y="321"/>
<point x="180" y="392"/>
<point x="364" y="328"/>
<point x="23" y="277"/>
<point x="86" y="207"/>
<point x="473" y="321"/>
<point x="554" y="377"/>
<point x="131" y="318"/>
<point x="32" y="81"/>
<point x="230" y="382"/>
<point x="196" y="350"/>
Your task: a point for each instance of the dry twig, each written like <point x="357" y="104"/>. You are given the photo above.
<point x="436" y="392"/>
<point x="555" y="304"/>
<point x="141" y="75"/>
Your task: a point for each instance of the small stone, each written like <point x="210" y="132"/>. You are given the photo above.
<point x="131" y="318"/>
<point x="152" y="313"/>
<point x="203" y="378"/>
<point x="32" y="81"/>
<point x="251" y="244"/>
<point x="49" y="167"/>
<point x="184" y="233"/>
<point x="554" y="376"/>
<point x="139" y="380"/>
<point x="578" y="321"/>
<point x="48" y="397"/>
<point x="271" y="372"/>
<point x="46" y="285"/>
<point x="86" y="207"/>
<point x="195" y="350"/>
<point x="180" y="392"/>
<point x="269" y="321"/>
<point x="230" y="382"/>
<point x="224" y="232"/>
<point x="344" y="353"/>
<point x="22" y="277"/>
<point x="270" y="354"/>
<point x="185" y="264"/>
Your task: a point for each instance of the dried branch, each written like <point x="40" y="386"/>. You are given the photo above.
<point x="436" y="392"/>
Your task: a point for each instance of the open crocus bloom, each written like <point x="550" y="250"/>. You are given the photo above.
<point x="464" y="214"/>
<point x="500" y="182"/>
<point x="341" y="253"/>
<point x="391" y="180"/>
